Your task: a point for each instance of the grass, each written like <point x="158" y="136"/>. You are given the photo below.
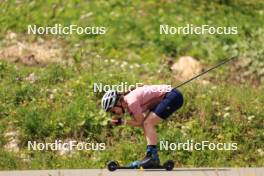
<point x="60" y="104"/>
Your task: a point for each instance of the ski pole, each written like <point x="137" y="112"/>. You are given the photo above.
<point x="216" y="66"/>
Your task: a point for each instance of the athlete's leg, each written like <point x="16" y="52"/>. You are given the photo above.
<point x="171" y="102"/>
<point x="149" y="128"/>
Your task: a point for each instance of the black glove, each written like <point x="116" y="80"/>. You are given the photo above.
<point x="117" y="121"/>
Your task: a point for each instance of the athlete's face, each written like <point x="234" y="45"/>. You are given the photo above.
<point x="116" y="110"/>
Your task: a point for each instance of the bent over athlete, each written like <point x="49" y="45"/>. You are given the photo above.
<point x="148" y="105"/>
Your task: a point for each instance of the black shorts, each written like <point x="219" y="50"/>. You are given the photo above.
<point x="171" y="102"/>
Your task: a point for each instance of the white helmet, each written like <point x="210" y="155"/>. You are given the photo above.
<point x="109" y="100"/>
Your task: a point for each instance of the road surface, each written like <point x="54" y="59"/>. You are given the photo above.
<point x="176" y="172"/>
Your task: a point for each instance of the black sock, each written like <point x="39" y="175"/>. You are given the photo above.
<point x="152" y="149"/>
<point x="151" y="146"/>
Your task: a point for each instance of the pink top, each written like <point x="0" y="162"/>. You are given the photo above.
<point x="145" y="97"/>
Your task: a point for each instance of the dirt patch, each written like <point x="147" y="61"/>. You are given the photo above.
<point x="185" y="68"/>
<point x="40" y="52"/>
<point x="12" y="141"/>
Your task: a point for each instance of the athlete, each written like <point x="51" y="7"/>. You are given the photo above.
<point x="148" y="105"/>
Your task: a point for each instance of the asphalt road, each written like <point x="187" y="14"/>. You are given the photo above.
<point x="176" y="172"/>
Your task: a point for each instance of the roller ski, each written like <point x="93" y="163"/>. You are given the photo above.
<point x="151" y="161"/>
<point x="114" y="165"/>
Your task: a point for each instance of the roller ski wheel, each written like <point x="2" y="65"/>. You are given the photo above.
<point x="112" y="165"/>
<point x="168" y="165"/>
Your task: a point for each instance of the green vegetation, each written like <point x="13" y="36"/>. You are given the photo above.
<point x="60" y="103"/>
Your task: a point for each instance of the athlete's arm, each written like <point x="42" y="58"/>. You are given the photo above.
<point x="137" y="121"/>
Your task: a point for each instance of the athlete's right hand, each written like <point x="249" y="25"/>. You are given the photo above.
<point x="117" y="121"/>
